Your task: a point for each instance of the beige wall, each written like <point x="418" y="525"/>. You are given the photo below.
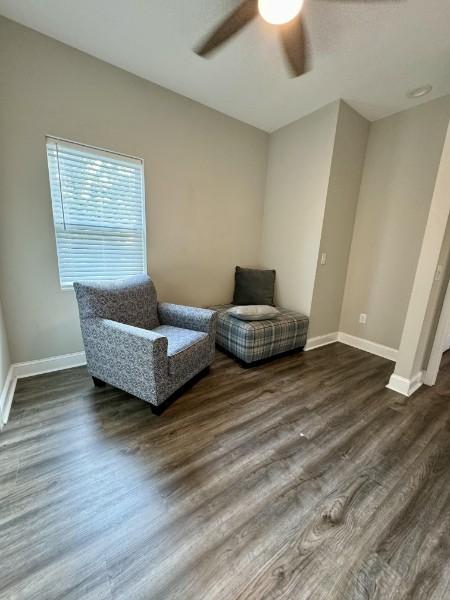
<point x="297" y="181"/>
<point x="205" y="178"/>
<point x="342" y="197"/>
<point x="402" y="160"/>
<point x="5" y="361"/>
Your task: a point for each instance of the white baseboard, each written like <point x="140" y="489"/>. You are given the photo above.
<point x="321" y="340"/>
<point x="404" y="386"/>
<point x="6" y="396"/>
<point x="368" y="346"/>
<point x="34" y="367"/>
<point x="355" y="342"/>
<point x="48" y="365"/>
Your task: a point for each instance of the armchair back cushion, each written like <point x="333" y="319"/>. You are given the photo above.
<point x="132" y="301"/>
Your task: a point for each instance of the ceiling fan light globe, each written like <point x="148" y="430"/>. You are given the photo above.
<point x="278" y="12"/>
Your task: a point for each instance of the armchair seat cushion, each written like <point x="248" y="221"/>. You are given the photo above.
<point x="183" y="346"/>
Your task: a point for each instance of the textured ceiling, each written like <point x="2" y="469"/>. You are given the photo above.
<point x="370" y="53"/>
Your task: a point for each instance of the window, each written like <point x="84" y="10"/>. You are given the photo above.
<point x="98" y="210"/>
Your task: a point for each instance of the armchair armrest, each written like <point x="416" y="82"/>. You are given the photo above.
<point x="130" y="358"/>
<point x="133" y="335"/>
<point x="188" y="317"/>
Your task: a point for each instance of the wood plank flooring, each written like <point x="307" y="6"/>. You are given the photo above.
<point x="304" y="478"/>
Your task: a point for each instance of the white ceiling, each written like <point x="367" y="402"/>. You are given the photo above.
<point x="368" y="53"/>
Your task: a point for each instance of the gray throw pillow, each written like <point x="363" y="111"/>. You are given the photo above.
<point x="254" y="286"/>
<point x="253" y="313"/>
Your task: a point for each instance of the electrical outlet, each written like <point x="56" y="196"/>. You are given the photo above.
<point x="323" y="258"/>
<point x="438" y="274"/>
<point x="363" y="318"/>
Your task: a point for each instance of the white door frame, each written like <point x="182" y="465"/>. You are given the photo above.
<point x="440" y="341"/>
<point x="406" y="379"/>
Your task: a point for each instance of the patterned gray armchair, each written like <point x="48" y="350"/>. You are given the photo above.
<point x="143" y="347"/>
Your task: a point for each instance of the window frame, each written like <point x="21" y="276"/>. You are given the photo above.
<point x="99" y="151"/>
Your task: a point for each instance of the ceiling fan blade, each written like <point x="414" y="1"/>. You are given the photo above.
<point x="239" y="18"/>
<point x="293" y="37"/>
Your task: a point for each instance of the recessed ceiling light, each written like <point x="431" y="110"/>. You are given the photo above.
<point x="419" y="92"/>
<point x="278" y="12"/>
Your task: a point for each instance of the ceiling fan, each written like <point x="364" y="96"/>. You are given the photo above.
<point x="286" y="14"/>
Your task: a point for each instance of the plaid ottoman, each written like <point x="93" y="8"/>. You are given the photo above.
<point x="251" y="341"/>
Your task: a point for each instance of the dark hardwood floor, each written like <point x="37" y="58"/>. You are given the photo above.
<point x="304" y="478"/>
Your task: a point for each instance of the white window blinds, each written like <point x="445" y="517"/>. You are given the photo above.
<point x="98" y="210"/>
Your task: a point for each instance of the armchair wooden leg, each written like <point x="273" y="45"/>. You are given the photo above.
<point x="98" y="382"/>
<point x="158" y="410"/>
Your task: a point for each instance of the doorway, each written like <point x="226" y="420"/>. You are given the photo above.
<point x="441" y="342"/>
